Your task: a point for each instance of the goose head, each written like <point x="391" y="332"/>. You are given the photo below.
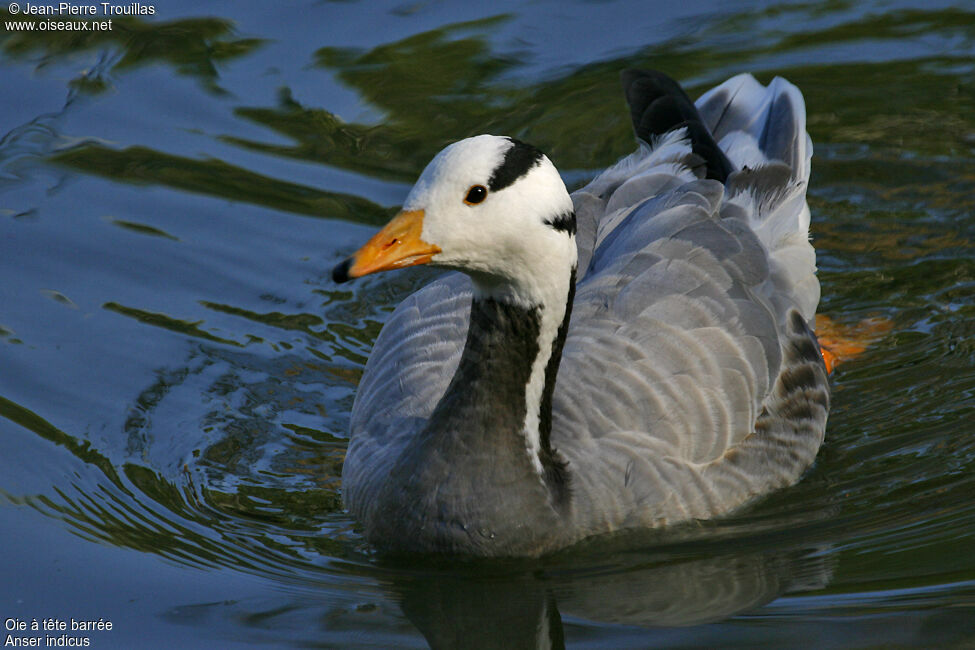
<point x="492" y="207"/>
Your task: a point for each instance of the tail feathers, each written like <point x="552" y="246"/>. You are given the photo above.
<point x="756" y="125"/>
<point x="762" y="130"/>
<point x="658" y="105"/>
<point x="763" y="162"/>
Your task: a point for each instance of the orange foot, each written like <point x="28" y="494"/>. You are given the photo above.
<point x="839" y="343"/>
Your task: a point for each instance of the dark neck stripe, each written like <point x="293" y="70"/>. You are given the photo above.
<point x="565" y="222"/>
<point x="495" y="367"/>
<point x="554" y="466"/>
<point x="518" y="160"/>
<point x="486" y="400"/>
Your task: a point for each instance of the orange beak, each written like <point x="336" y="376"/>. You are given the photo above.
<point x="396" y="246"/>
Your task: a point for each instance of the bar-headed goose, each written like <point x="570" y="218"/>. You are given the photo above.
<point x="634" y="355"/>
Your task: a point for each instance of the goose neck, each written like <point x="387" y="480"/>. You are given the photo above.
<point x="502" y="390"/>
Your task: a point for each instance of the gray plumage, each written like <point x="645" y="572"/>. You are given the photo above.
<point x="690" y="380"/>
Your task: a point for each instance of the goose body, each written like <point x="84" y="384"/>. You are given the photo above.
<point x="634" y="355"/>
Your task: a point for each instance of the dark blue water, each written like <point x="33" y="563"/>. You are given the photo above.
<point x="177" y="368"/>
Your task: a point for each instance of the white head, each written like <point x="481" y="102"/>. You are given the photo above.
<point x="490" y="206"/>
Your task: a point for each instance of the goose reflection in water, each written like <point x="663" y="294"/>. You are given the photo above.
<point x="527" y="604"/>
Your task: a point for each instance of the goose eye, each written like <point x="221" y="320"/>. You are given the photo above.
<point x="475" y="195"/>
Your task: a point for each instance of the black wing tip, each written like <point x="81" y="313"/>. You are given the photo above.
<point x="660" y="79"/>
<point x="658" y="105"/>
<point x="340" y="273"/>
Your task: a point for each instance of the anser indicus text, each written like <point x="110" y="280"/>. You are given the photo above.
<point x="634" y="355"/>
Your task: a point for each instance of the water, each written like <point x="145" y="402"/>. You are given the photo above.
<point x="176" y="368"/>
